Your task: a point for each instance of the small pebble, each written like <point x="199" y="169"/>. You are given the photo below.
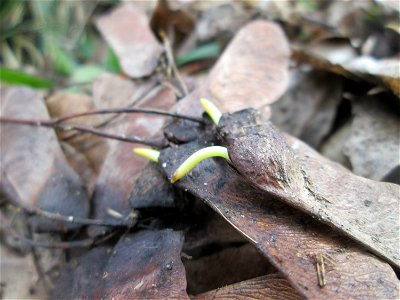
<point x="164" y="165"/>
<point x="205" y="183"/>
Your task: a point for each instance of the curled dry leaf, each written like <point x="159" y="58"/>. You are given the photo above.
<point x="291" y="240"/>
<point x="283" y="166"/>
<point x="373" y="144"/>
<point x="34" y="169"/>
<point x="329" y="55"/>
<point x="127" y="31"/>
<point x="144" y="265"/>
<point x="268" y="287"/>
<point x="381" y="71"/>
<point x="252" y="71"/>
<point x="339" y="57"/>
<point x="165" y="18"/>
<point x="122" y="167"/>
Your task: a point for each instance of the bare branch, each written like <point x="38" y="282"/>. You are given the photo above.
<point x="127" y="110"/>
<point x="70" y="127"/>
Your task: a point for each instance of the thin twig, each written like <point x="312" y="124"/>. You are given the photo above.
<point x="78" y="220"/>
<point x="144" y="95"/>
<point x="171" y="60"/>
<point x="127" y="110"/>
<point x="70" y="127"/>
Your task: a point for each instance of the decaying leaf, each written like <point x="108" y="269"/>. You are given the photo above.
<point x="81" y="277"/>
<point x="283" y="166"/>
<point x="268" y="287"/>
<point x="34" y="169"/>
<point x="373" y="144"/>
<point x="341" y="58"/>
<point x="121" y="167"/>
<point x="128" y="32"/>
<point x="289" y="239"/>
<point x="146" y="265"/>
<point x="252" y="71"/>
<point x="152" y="189"/>
<point x="330" y="55"/>
<point x="382" y="71"/>
<point x="165" y="18"/>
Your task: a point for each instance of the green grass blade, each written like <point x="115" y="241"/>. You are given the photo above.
<point x="15" y="77"/>
<point x="210" y="50"/>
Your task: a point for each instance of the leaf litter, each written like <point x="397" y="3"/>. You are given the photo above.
<point x="288" y="223"/>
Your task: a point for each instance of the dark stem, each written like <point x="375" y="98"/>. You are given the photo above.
<point x="79" y="220"/>
<point x="69" y="127"/>
<point x="127" y="110"/>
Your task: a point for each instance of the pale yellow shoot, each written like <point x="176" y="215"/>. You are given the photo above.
<point x="148" y="153"/>
<point x="211" y="110"/>
<point x="196" y="158"/>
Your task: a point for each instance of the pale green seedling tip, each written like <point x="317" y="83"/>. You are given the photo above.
<point x="211" y="110"/>
<point x="148" y="153"/>
<point x="196" y="158"/>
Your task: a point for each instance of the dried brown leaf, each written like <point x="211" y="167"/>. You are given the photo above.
<point x="291" y="240"/>
<point x="268" y="287"/>
<point x="127" y="31"/>
<point x="34" y="169"/>
<point x="252" y="71"/>
<point x="81" y="278"/>
<point x="283" y="166"/>
<point x="146" y="265"/>
<point x="165" y="18"/>
<point x="339" y="57"/>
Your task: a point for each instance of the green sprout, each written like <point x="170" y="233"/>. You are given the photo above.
<point x="197" y="157"/>
<point x="211" y="110"/>
<point x="151" y="154"/>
